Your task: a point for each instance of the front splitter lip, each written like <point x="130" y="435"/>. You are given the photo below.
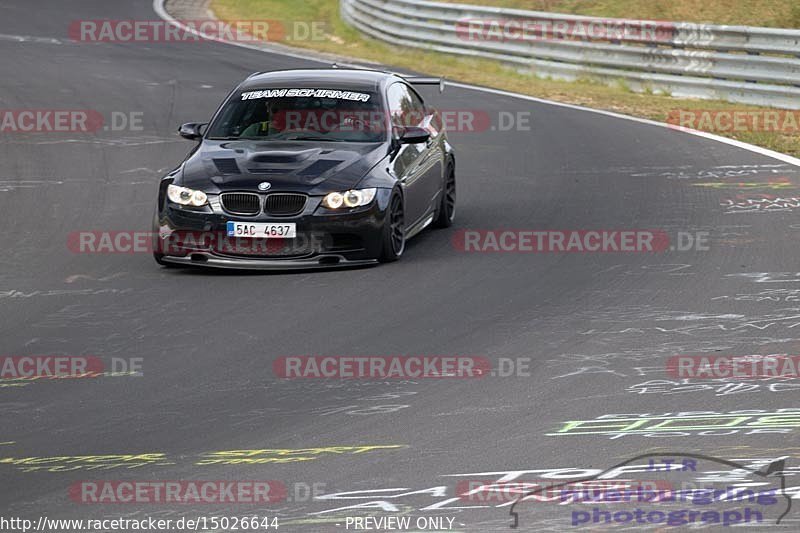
<point x="324" y="261"/>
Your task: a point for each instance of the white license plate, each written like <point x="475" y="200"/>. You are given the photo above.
<point x="262" y="230"/>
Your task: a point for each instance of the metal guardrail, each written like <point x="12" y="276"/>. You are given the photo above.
<point x="759" y="66"/>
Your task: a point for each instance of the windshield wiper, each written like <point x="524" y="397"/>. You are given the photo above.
<point x="276" y="138"/>
<point x="234" y="138"/>
<point x="312" y="138"/>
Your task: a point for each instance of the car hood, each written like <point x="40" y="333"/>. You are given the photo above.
<point x="311" y="168"/>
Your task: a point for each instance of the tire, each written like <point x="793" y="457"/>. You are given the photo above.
<point x="394" y="239"/>
<point x="447" y="205"/>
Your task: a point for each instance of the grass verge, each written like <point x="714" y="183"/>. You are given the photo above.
<point x="339" y="38"/>
<point x="769" y="13"/>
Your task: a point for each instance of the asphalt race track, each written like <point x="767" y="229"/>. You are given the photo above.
<point x="594" y="326"/>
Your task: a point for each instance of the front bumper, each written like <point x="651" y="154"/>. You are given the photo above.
<point x="321" y="261"/>
<point x="191" y="236"/>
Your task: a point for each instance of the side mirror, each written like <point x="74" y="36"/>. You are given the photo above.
<point x="414" y="135"/>
<point x="192" y="130"/>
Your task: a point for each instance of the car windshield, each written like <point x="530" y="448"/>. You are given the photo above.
<point x="301" y="115"/>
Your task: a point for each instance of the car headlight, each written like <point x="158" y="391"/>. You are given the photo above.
<point x="348" y="199"/>
<point x="186" y="196"/>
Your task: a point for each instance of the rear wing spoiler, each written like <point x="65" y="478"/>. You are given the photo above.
<point x="416" y="80"/>
<point x="413" y="80"/>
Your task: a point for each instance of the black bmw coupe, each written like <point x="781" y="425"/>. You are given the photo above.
<point x="308" y="168"/>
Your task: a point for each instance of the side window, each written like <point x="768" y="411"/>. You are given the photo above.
<point x="417" y="108"/>
<point x="405" y="106"/>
